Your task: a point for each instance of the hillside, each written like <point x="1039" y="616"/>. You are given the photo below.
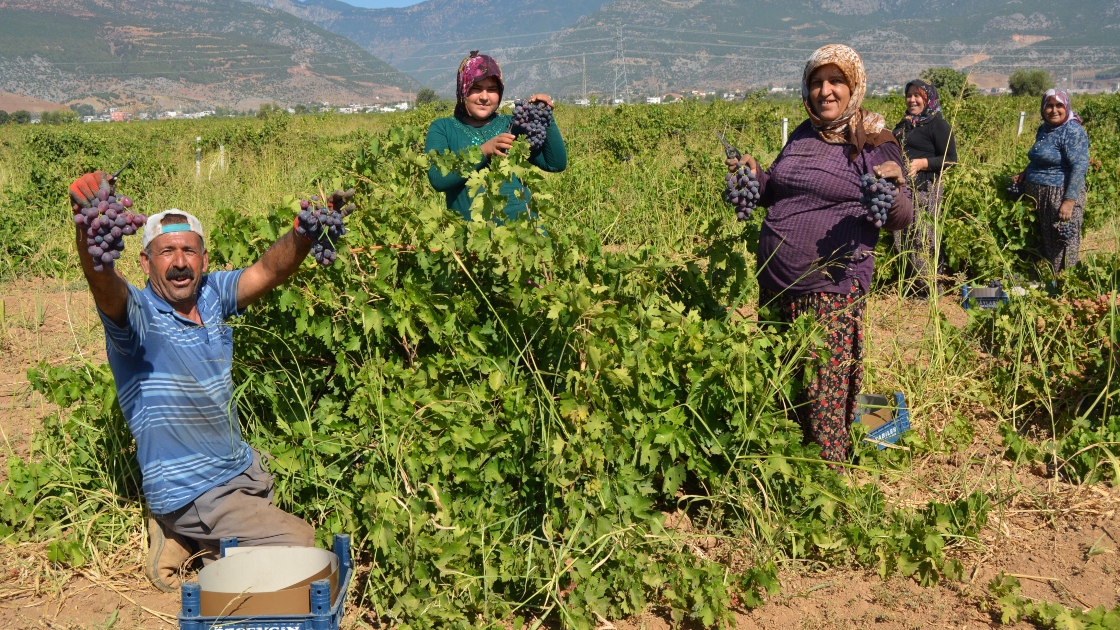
<point x="428" y="40"/>
<point x="714" y="44"/>
<point x="182" y="54"/>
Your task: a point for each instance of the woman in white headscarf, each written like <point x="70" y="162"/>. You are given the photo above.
<point x="816" y="245"/>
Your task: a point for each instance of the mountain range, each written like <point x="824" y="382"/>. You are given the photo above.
<point x="243" y="52"/>
<point x="181" y="54"/>
<point x="676" y="45"/>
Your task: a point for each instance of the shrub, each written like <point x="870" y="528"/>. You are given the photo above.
<point x="949" y="82"/>
<point x="1033" y="82"/>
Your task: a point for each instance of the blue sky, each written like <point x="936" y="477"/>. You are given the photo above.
<point x="381" y="4"/>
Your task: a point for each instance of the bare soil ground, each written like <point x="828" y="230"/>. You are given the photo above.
<point x="1061" y="540"/>
<point x="11" y="102"/>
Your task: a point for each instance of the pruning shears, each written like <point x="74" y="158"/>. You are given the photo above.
<point x="114" y="176"/>
<point x="731" y="152"/>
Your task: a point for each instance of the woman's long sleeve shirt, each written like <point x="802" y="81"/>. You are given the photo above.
<point x="932" y="141"/>
<point x="454" y="135"/>
<point x="1060" y="158"/>
<point x="816" y="237"/>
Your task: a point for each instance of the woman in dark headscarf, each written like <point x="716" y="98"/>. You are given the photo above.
<point x="478" y="92"/>
<point x="1055" y="178"/>
<point x="928" y="144"/>
<point x="815" y="249"/>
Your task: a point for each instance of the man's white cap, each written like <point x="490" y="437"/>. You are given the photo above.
<point x="152" y="228"/>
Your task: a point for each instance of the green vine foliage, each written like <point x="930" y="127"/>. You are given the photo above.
<point x="1055" y="354"/>
<point x="504" y="415"/>
<point x="1014" y="608"/>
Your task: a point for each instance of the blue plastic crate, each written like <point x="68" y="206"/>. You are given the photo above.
<point x="983" y="297"/>
<point x="892" y="430"/>
<point x="325" y="614"/>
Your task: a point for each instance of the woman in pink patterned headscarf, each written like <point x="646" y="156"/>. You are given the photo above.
<point x="478" y="93"/>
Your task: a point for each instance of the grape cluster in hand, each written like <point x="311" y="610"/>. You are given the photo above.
<point x="742" y="192"/>
<point x="1067" y="230"/>
<point x="322" y="224"/>
<point x="532" y="120"/>
<point x="879" y="194"/>
<point x="107" y="221"/>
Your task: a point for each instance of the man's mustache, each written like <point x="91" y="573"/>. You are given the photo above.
<point x="179" y="273"/>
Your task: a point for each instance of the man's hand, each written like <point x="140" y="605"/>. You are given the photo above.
<point x="84" y="190"/>
<point x="747" y="160"/>
<point x="1065" y="212"/>
<point x="892" y="171"/>
<point x="109" y="288"/>
<point x="498" y="145"/>
<point x="284" y="257"/>
<point x="340" y="200"/>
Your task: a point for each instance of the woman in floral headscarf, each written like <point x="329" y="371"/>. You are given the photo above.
<point x="815" y="249"/>
<point x="478" y="92"/>
<point x="1055" y="179"/>
<point x="929" y="146"/>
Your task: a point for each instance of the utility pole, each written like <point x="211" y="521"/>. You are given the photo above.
<point x="620" y="79"/>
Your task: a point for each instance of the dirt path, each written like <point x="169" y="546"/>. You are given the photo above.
<point x="1063" y="540"/>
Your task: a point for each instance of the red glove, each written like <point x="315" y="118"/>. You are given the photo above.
<point x="84" y="189"/>
<point x="339" y="200"/>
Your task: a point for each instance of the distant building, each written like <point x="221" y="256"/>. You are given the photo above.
<point x="653" y="100"/>
<point x="583" y="102"/>
<point x="119" y="116"/>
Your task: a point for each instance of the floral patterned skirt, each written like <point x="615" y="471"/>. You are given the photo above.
<point x="826" y="408"/>
<point x="1060" y="253"/>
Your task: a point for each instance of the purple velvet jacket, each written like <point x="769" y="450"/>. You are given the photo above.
<point x="815" y="238"/>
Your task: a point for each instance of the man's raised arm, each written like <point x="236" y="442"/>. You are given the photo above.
<point x="285" y="256"/>
<point x="109" y="288"/>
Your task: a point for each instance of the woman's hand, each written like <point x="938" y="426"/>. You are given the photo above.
<point x="733" y="164"/>
<point x="918" y="165"/>
<point x="541" y="98"/>
<point x="892" y="171"/>
<point x="1065" y="212"/>
<point x="498" y="145"/>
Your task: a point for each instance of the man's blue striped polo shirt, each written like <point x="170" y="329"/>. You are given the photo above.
<point x="175" y="388"/>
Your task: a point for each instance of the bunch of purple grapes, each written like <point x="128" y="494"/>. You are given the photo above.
<point x="532" y="120"/>
<point x="879" y="194"/>
<point x="742" y="192"/>
<point x="1067" y="230"/>
<point x="323" y="225"/>
<point x="107" y="221"/>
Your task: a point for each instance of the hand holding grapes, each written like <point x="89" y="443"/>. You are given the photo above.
<point x="747" y="160"/>
<point x="541" y="98"/>
<point x="104" y="218"/>
<point x="323" y="224"/>
<point x="83" y="191"/>
<point x="1065" y="212"/>
<point x="892" y="171"/>
<point x="498" y="145"/>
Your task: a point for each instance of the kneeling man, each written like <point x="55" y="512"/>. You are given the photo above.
<point x="170" y="351"/>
